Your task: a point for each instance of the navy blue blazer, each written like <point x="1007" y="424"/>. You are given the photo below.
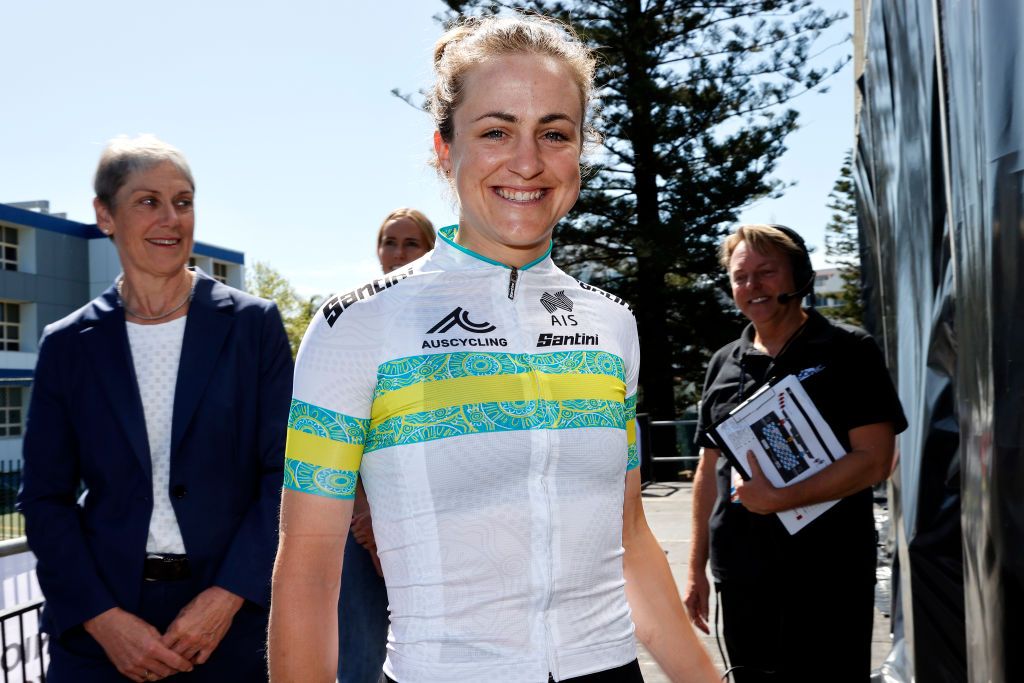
<point x="85" y="422"/>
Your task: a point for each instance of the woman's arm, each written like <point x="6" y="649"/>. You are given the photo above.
<point x="245" y="569"/>
<point x="661" y="623"/>
<point x="868" y="462"/>
<point x="248" y="560"/>
<point x="696" y="595"/>
<point x="75" y="592"/>
<point x="304" y="607"/>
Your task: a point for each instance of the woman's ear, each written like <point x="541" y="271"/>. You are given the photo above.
<point x="104" y="220"/>
<point x="443" y="151"/>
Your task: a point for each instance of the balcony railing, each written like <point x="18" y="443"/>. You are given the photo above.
<point x="23" y="652"/>
<point x="664" y="442"/>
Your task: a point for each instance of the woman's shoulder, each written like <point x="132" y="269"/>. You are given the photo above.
<point x="723" y="355"/>
<point x="845" y="333"/>
<point x="83" y="317"/>
<point x="613" y="303"/>
<point x="373" y="297"/>
<point x="242" y="302"/>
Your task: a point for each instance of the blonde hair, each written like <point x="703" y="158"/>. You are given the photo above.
<point x="762" y="239"/>
<point x="417" y="217"/>
<point x="475" y="39"/>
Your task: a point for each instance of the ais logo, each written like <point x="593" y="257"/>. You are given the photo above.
<point x="559" y="301"/>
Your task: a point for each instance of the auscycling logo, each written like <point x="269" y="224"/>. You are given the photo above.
<point x="460" y="318"/>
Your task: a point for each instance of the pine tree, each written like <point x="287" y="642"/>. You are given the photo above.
<point x="694" y="116"/>
<point x="842" y="245"/>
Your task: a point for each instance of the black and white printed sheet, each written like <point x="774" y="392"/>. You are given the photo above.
<point x="781" y="425"/>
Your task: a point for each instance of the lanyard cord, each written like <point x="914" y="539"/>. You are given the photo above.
<point x="771" y="366"/>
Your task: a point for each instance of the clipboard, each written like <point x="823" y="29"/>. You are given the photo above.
<point x="781" y="425"/>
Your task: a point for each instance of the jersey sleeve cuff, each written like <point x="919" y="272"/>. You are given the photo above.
<point x="319" y="480"/>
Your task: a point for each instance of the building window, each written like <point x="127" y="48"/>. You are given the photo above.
<point x="10" y="326"/>
<point x="10" y="411"/>
<point x="191" y="261"/>
<point x="220" y="272"/>
<point x="8" y="248"/>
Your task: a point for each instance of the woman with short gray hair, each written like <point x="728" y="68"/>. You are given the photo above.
<point x="166" y="398"/>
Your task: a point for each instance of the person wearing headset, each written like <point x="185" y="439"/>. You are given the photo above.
<point x="797" y="608"/>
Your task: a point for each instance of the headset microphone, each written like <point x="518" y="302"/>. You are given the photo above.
<point x="803" y="271"/>
<point x="798" y="294"/>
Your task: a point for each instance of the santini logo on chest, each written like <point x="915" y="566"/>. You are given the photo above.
<point x="578" y="339"/>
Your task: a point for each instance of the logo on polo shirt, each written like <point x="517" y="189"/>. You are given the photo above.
<point x="809" y="372"/>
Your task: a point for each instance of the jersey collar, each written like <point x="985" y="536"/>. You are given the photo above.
<point x="447" y="247"/>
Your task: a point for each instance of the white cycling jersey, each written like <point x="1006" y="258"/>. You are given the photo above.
<point x="491" y="413"/>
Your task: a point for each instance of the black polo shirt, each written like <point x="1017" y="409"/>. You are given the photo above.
<point x="844" y="373"/>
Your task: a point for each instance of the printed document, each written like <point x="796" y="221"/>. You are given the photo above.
<point x="791" y="441"/>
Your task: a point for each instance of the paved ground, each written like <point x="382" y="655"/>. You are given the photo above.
<point x="668" y="512"/>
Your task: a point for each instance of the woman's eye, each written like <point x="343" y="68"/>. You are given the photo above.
<point x="184" y="203"/>
<point x="494" y="134"/>
<point x="556" y="136"/>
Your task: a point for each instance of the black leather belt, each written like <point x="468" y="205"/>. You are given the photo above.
<point x="165" y="567"/>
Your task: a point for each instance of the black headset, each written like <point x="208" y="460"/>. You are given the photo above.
<point x="803" y="271"/>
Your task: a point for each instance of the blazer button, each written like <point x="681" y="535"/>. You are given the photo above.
<point x="179" y="491"/>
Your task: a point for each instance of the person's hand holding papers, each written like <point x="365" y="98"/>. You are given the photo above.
<point x="757" y="494"/>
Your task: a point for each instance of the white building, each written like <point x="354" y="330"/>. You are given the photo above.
<point x="828" y="284"/>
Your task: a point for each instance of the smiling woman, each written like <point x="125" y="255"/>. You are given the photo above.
<point x="500" y="451"/>
<point x="144" y="202"/>
<point x="166" y="398"/>
<point x="514" y="155"/>
<point x="753" y="557"/>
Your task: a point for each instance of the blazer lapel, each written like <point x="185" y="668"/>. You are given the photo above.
<point x="106" y="340"/>
<point x="210" y="317"/>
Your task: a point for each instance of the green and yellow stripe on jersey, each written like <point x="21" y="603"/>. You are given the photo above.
<point x="323" y="450"/>
<point x="423" y="398"/>
<point x="426" y="398"/>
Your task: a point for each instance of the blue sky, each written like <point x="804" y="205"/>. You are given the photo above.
<point x="286" y="116"/>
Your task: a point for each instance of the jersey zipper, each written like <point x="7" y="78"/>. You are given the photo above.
<point x="513" y="278"/>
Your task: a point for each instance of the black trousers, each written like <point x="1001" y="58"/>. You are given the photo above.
<point x="627" y="673"/>
<point x="780" y="631"/>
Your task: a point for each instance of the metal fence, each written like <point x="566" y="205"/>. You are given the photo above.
<point x="12" y="524"/>
<point x="23" y="651"/>
<point x="666" y="447"/>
